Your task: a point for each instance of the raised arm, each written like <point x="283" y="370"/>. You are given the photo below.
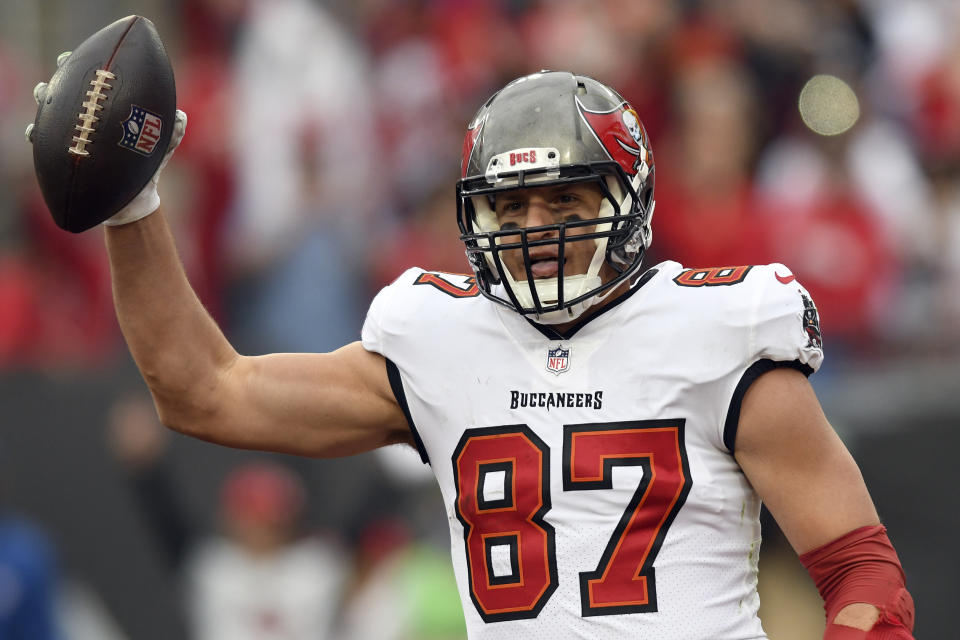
<point x="813" y="487"/>
<point x="323" y="405"/>
<point x="310" y="404"/>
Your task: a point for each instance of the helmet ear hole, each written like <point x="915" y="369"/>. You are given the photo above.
<point x="646" y="196"/>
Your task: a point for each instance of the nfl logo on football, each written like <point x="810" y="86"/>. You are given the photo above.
<point x="558" y="360"/>
<point x="141" y="130"/>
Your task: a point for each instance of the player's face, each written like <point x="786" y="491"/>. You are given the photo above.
<point x="539" y="206"/>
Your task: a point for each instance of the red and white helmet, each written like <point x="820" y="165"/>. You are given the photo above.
<point x="554" y="128"/>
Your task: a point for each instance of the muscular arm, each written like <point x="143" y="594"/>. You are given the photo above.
<point x="802" y="471"/>
<point x="321" y="405"/>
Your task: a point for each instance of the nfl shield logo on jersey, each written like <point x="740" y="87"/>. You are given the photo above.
<point x="558" y="360"/>
<point x="141" y="131"/>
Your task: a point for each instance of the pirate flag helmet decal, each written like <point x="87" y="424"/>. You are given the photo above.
<point x="545" y="129"/>
<point x="628" y="150"/>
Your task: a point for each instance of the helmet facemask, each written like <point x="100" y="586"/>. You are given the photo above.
<point x="616" y="233"/>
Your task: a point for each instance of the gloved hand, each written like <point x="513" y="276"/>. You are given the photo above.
<point x="148" y="200"/>
<point x="40" y="93"/>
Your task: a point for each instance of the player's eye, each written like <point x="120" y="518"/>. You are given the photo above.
<point x="566" y="198"/>
<point x="510" y="209"/>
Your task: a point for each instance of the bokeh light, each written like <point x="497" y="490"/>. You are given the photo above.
<point x="828" y="105"/>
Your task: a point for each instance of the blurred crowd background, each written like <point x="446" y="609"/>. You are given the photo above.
<point x="319" y="162"/>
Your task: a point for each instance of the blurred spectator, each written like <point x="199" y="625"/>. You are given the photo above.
<point x="55" y="305"/>
<point x="260" y="581"/>
<point x="416" y="140"/>
<point x="820" y="228"/>
<point x="202" y="180"/>
<point x="28" y="577"/>
<point x="305" y="146"/>
<point x="429" y="240"/>
<point x="13" y="167"/>
<point x="946" y="309"/>
<point x="83" y="615"/>
<point x="260" y="578"/>
<point x="937" y="122"/>
<point x="705" y="212"/>
<point x="402" y="590"/>
<point x="551" y="26"/>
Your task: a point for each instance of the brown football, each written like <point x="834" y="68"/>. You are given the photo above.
<point x="104" y="123"/>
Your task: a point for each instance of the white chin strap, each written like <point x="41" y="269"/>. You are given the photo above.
<point x="547" y="289"/>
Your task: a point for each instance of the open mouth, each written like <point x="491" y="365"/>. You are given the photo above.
<point x="546" y="267"/>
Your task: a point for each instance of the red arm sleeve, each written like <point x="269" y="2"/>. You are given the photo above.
<point x="862" y="566"/>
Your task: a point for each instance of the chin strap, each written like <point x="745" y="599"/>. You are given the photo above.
<point x="863" y="567"/>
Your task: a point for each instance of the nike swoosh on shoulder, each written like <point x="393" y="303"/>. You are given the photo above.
<point x="785" y="279"/>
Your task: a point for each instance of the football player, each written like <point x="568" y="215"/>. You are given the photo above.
<point x="602" y="434"/>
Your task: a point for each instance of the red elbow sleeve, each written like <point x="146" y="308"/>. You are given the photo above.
<point x="862" y="566"/>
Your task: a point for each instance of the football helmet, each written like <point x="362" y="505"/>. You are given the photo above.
<point x="545" y="129"/>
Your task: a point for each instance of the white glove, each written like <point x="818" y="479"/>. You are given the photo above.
<point x="148" y="200"/>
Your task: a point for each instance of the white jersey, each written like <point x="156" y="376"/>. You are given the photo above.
<point x="291" y="594"/>
<point x="589" y="481"/>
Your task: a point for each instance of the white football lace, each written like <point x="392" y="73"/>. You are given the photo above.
<point x="89" y="116"/>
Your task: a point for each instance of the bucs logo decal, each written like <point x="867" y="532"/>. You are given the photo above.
<point x="621" y="134"/>
<point x="811" y="323"/>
